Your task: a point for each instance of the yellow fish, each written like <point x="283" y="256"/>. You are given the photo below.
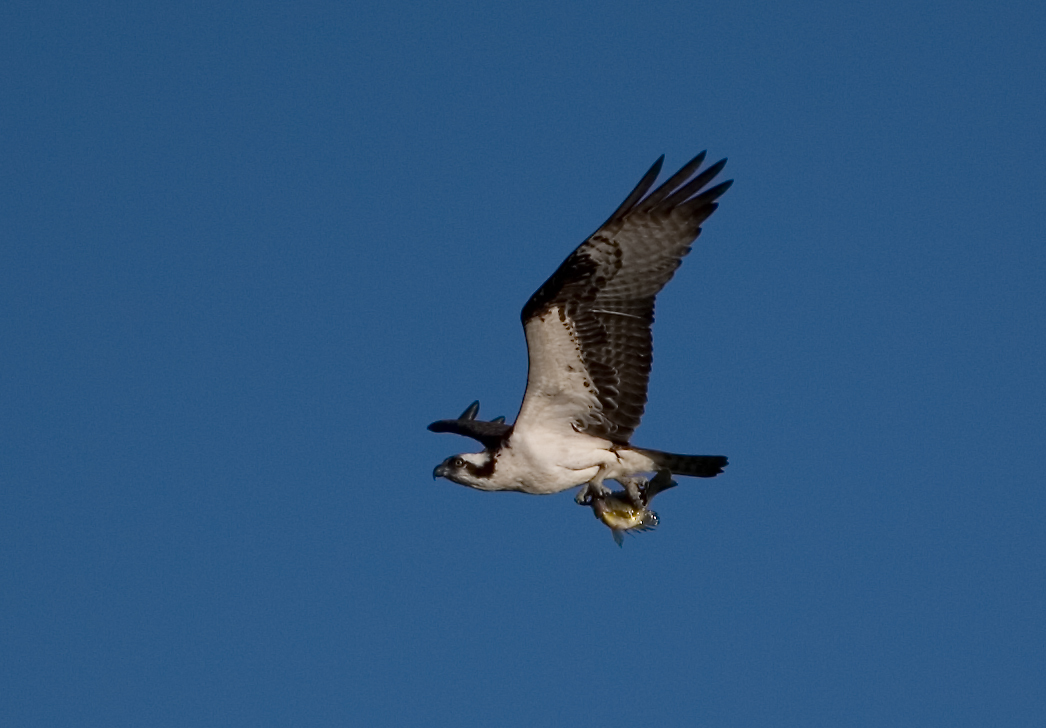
<point x="627" y="510"/>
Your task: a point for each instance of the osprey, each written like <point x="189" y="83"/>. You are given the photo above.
<point x="590" y="351"/>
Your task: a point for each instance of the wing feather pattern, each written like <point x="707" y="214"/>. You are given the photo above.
<point x="588" y="325"/>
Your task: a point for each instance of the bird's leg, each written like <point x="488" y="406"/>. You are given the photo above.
<point x="636" y="489"/>
<point x="592" y="489"/>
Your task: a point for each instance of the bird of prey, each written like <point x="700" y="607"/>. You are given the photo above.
<point x="590" y="352"/>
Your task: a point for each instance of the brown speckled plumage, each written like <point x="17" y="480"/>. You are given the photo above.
<point x="607" y="286"/>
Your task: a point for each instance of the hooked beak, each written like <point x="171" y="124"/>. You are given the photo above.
<point x="440" y="471"/>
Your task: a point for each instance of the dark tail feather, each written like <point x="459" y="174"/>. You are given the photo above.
<point x="694" y="466"/>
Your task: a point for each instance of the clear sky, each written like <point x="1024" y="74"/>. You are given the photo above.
<point x="249" y="251"/>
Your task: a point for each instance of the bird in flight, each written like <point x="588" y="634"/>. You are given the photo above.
<point x="590" y="351"/>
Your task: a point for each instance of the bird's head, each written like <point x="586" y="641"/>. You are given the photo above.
<point x="471" y="468"/>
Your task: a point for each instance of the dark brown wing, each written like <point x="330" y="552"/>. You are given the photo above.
<point x="604" y="296"/>
<point x="490" y="433"/>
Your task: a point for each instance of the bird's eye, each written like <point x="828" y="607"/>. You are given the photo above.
<point x="457" y="463"/>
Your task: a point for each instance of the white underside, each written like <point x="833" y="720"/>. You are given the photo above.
<point x="547" y="451"/>
<point x="542" y="462"/>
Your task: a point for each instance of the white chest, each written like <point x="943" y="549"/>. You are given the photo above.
<point x="549" y="462"/>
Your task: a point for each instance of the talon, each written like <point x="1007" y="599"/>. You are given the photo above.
<point x="636" y="489"/>
<point x="591" y="491"/>
<point x="582" y="498"/>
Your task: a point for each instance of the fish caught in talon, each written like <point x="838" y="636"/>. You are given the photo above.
<point x="621" y="514"/>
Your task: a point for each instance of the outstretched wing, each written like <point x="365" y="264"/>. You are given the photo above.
<point x="588" y="325"/>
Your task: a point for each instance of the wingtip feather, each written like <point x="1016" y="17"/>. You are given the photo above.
<point x="470" y="412"/>
<point x="640" y="189"/>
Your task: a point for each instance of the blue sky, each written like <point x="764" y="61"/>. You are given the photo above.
<point x="250" y="251"/>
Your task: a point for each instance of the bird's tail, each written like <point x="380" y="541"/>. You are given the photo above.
<point x="694" y="466"/>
